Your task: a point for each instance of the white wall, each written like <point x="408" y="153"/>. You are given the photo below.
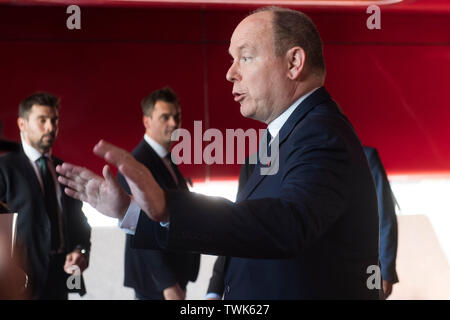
<point x="104" y="277"/>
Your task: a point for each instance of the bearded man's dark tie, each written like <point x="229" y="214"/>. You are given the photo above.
<point x="51" y="203"/>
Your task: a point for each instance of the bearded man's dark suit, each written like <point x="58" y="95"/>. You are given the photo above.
<point x="310" y="231"/>
<point x="149" y="272"/>
<point x="21" y="191"/>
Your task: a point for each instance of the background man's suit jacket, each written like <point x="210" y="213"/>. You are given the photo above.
<point x="308" y="232"/>
<point x="388" y="218"/>
<point x="151" y="271"/>
<point x="21" y="191"/>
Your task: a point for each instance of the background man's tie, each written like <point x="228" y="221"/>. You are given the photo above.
<point x="168" y="164"/>
<point x="51" y="203"/>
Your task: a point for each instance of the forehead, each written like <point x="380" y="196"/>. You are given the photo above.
<point x="253" y="32"/>
<point x="38" y="110"/>
<point x="166" y="107"/>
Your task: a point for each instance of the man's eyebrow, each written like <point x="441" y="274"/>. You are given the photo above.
<point x="169" y="114"/>
<point x="42" y="116"/>
<point x="242" y="47"/>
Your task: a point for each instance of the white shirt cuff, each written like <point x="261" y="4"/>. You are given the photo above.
<point x="131" y="218"/>
<point x="165" y="224"/>
<point x="212" y="295"/>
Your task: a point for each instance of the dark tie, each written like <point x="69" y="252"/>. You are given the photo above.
<point x="50" y="200"/>
<point x="168" y="162"/>
<point x="267" y="146"/>
<point x="269" y="138"/>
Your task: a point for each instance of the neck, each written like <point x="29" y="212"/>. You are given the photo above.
<point x="162" y="144"/>
<point x="293" y="95"/>
<point x="304" y="87"/>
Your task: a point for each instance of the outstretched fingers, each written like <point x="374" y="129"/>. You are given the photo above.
<point x="72" y="184"/>
<point x="110" y="178"/>
<point x="135" y="172"/>
<point x="75" y="173"/>
<point x="146" y="192"/>
<point x="76" y="179"/>
<point x="112" y="154"/>
<point x="74" y="194"/>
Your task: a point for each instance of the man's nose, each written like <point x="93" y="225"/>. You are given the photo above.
<point x="173" y="122"/>
<point x="50" y="126"/>
<point x="233" y="73"/>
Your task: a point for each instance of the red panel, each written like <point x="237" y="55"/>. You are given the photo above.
<point x="396" y="98"/>
<point x="100" y="89"/>
<point x="391" y="5"/>
<point x="100" y="25"/>
<point x="392" y="82"/>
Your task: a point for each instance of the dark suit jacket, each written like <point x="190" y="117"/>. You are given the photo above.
<point x="388" y="222"/>
<point x="308" y="232"/>
<point x="21" y="191"/>
<point x="388" y="218"/>
<point x="6" y="145"/>
<point x="151" y="271"/>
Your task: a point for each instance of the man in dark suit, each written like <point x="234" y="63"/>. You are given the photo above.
<point x="159" y="274"/>
<point x="388" y="220"/>
<point x="388" y="227"/>
<point x="51" y="228"/>
<point x="307" y="229"/>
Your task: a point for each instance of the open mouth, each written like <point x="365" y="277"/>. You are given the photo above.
<point x="238" y="97"/>
<point x="48" y="137"/>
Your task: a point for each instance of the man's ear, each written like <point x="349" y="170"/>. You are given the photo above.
<point x="21" y="123"/>
<point x="296" y="62"/>
<point x="146" y="121"/>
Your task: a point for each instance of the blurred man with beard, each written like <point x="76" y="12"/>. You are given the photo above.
<point x="159" y="274"/>
<point x="51" y="228"/>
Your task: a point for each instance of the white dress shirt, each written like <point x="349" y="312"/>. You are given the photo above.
<point x="163" y="154"/>
<point x="131" y="218"/>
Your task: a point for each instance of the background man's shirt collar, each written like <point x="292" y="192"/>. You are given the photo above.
<point x="159" y="149"/>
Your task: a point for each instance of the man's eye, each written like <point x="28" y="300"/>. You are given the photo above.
<point x="246" y="59"/>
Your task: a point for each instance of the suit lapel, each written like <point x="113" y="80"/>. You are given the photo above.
<point x="157" y="167"/>
<point x="30" y="174"/>
<point x="316" y="98"/>
<point x="31" y="179"/>
<point x="181" y="181"/>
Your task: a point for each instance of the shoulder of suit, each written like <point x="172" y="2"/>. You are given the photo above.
<point x="371" y="153"/>
<point x="143" y="151"/>
<point x="326" y="108"/>
<point x="11" y="157"/>
<point x="321" y="118"/>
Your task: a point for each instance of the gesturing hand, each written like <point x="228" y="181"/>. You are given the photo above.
<point x="104" y="194"/>
<point x="145" y="190"/>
